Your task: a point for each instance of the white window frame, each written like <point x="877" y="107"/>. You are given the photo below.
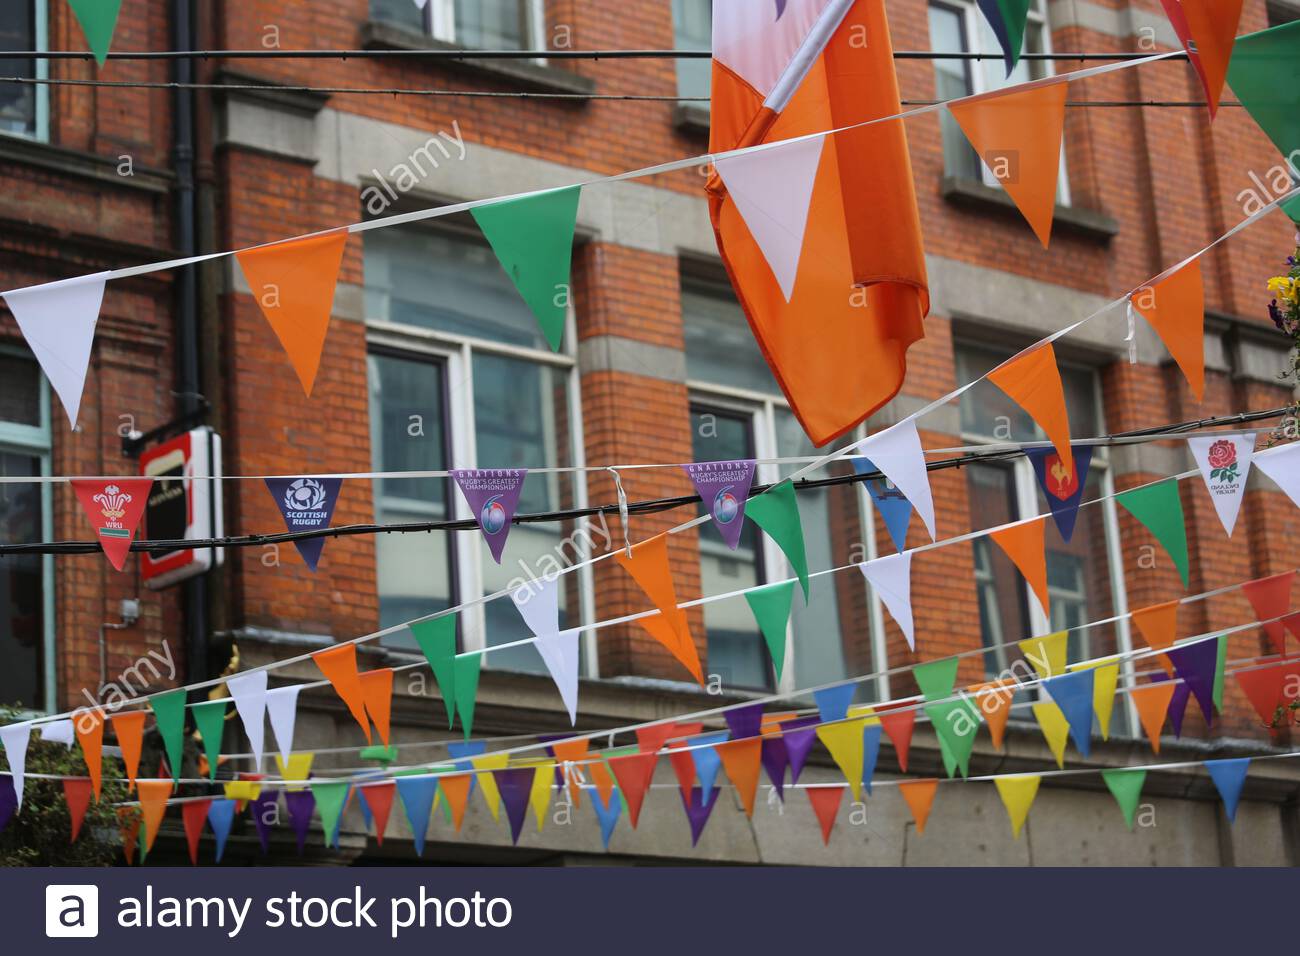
<point x="440" y="20"/>
<point x="41" y="99"/>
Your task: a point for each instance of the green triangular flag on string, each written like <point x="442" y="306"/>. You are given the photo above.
<point x="771" y="607"/>
<point x="1126" y="787"/>
<point x="936" y="678"/>
<point x="210" y="719"/>
<point x="533" y="239"/>
<point x="777" y="513"/>
<point x="1265" y="75"/>
<point x="949" y="761"/>
<point x="1292" y="208"/>
<point x="385" y="755"/>
<point x="98" y="19"/>
<point x="1220" y="669"/>
<point x="330" y="796"/>
<point x="1015" y="16"/>
<point x="466" y="678"/>
<point x="169" y="711"/>
<point x="437" y="639"/>
<point x="1160" y="510"/>
<point x="956" y="723"/>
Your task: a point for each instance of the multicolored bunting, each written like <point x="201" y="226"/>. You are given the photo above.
<point x="1073" y="694"/>
<point x="648" y="565"/>
<point x="1024" y="543"/>
<point x="1007" y="18"/>
<point x="339" y="665"/>
<point x="466" y="669"/>
<point x="532" y="237"/>
<point x="249" y="693"/>
<point x="1126" y="787"/>
<point x="437" y="640"/>
<point x="114" y="509"/>
<point x="282" y="708"/>
<point x="1224" y="463"/>
<point x="1047" y="654"/>
<point x="777" y="512"/>
<point x="1160" y="510"/>
<point x="210" y="721"/>
<point x="698" y="809"/>
<point x="128" y="727"/>
<point x="169" y="711"/>
<point x="919" y="795"/>
<point x="98" y="20"/>
<point x="1033" y="381"/>
<point x="826" y="805"/>
<point x="58" y="322"/>
<point x="1063" y="487"/>
<point x="1018" y="793"/>
<point x="1055" y="728"/>
<point x="1270" y="599"/>
<point x="293" y="284"/>
<point x="1152" y="703"/>
<point x="493" y="497"/>
<point x="894" y="508"/>
<point x="15" y="738"/>
<point x="1195" y="664"/>
<point x="1282" y="465"/>
<point x="723" y="487"/>
<point x="76" y="791"/>
<point x="897" y="453"/>
<point x="1018" y="134"/>
<point x="306" y="504"/>
<point x="1229" y="777"/>
<point x="890" y="578"/>
<point x="1175" y="307"/>
<point x="771" y="607"/>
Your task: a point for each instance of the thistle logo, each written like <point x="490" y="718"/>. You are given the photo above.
<point x="492" y="517"/>
<point x="726" y="507"/>
<point x="305" y="494"/>
<point x="112" y="503"/>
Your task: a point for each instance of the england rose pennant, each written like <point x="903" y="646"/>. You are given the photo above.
<point x="306" y="504"/>
<point x="1224" y="463"/>
<point x="493" y="496"/>
<point x="724" y="486"/>
<point x="114" y="509"/>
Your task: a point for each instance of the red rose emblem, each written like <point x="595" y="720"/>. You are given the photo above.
<point x="1223" y="454"/>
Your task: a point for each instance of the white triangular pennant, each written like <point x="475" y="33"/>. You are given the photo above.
<point x="897" y="453"/>
<point x="772" y="189"/>
<point x="58" y="321"/>
<point x="58" y="732"/>
<point x="538" y="603"/>
<point x="282" y="708"/>
<point x="560" y="653"/>
<point x="891" y="579"/>
<point x="1283" y="466"/>
<point x="1224" y="461"/>
<point x="249" y="694"/>
<point x="15" y="738"/>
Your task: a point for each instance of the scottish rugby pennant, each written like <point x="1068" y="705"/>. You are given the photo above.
<point x="307" y="504"/>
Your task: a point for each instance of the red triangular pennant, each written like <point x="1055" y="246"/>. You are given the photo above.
<point x="826" y="804"/>
<point x="76" y="790"/>
<point x="634" y="773"/>
<point x="1271" y="598"/>
<point x="194" y="814"/>
<point x="1264" y="687"/>
<point x="114" y="509"/>
<point x="899" y="725"/>
<point x="379" y="798"/>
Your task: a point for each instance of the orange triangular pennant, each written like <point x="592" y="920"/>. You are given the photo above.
<point x="919" y="795"/>
<point x="634" y="773"/>
<point x="379" y="798"/>
<point x="1175" y="307"/>
<point x="651" y="739"/>
<point x="648" y="565"/>
<point x="129" y="728"/>
<point x="1033" y="382"/>
<point x="826" y="804"/>
<point x="76" y="790"/>
<point x="573" y="752"/>
<point x="1158" y="626"/>
<point x="89" y="728"/>
<point x="1152" y="703"/>
<point x="683" y="764"/>
<point x="899" y="725"/>
<point x="1213" y="26"/>
<point x="154" y="795"/>
<point x="455" y="789"/>
<point x="1024" y="543"/>
<point x="194" y="814"/>
<point x="339" y="665"/>
<point x="602" y="780"/>
<point x="293" y="283"/>
<point x="1018" y="135"/>
<point x="741" y="759"/>
<point x="994" y="702"/>
<point x="128" y="824"/>
<point x="377" y="692"/>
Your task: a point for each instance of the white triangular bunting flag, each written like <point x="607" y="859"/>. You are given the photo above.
<point x="891" y="579"/>
<point x="1224" y="461"/>
<point x="772" y="189"/>
<point x="538" y="603"/>
<point x="282" y="708"/>
<point x="560" y="652"/>
<point x="58" y="732"/>
<point x="897" y="453"/>
<point x="15" y="738"/>
<point x="1283" y="466"/>
<point x="249" y="694"/>
<point x="58" y="321"/>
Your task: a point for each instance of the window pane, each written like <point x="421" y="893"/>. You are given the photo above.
<point x="952" y="80"/>
<point x="693" y="30"/>
<point x="444" y="281"/>
<point x="407" y="433"/>
<point x="1004" y="614"/>
<point x="20" y="391"/>
<point x="720" y="348"/>
<point x="402" y="12"/>
<point x="986" y="410"/>
<point x="22" y="587"/>
<point x="491" y="24"/>
<point x="18" y="32"/>
<point x="737" y="652"/>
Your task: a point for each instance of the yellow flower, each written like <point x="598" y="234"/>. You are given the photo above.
<point x="1286" y="288"/>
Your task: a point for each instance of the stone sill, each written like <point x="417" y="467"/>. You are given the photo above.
<point x="72" y="162"/>
<point x="979" y="196"/>
<point x="691" y="118"/>
<point x="378" y="35"/>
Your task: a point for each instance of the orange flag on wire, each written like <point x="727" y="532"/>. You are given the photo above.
<point x="826" y="804"/>
<point x="919" y="795"/>
<point x="194" y="814"/>
<point x="1024" y="544"/>
<point x="154" y="795"/>
<point x="1213" y="27"/>
<point x="648" y="565"/>
<point x="129" y="728"/>
<point x="780" y="73"/>
<point x="76" y="790"/>
<point x="89" y="728"/>
<point x="575" y="751"/>
<point x="1175" y="307"/>
<point x="600" y="777"/>
<point x="1158" y="626"/>
<point x="293" y="283"/>
<point x="994" y="702"/>
<point x="741" y="760"/>
<point x="634" y="773"/>
<point x="455" y="788"/>
<point x="377" y="692"/>
<point x="1033" y="382"/>
<point x="1152" y="703"/>
<point x="1018" y="135"/>
<point x="339" y="665"/>
<point x="128" y="824"/>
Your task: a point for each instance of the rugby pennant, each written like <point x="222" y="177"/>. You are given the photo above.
<point x="493" y="496"/>
<point x="114" y="508"/>
<point x="1224" y="463"/>
<point x="1062" y="486"/>
<point x="723" y="486"/>
<point x="307" y="504"/>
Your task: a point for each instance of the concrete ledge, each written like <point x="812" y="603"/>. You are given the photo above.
<point x="972" y="194"/>
<point x="72" y="162"/>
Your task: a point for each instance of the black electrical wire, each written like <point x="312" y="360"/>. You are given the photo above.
<point x="650" y="506"/>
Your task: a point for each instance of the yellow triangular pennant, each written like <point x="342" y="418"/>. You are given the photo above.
<point x="1047" y="654"/>
<point x="1104" y="682"/>
<point x="487" y="782"/>
<point x="540" y="796"/>
<point x="1055" y="728"/>
<point x="844" y="741"/>
<point x="1018" y="795"/>
<point x="297" y="767"/>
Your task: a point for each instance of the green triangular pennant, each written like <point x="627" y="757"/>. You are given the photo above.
<point x="533" y="239"/>
<point x="1220" y="669"/>
<point x="437" y="638"/>
<point x="777" y="513"/>
<point x="169" y="711"/>
<point x="936" y="678"/>
<point x="210" y="719"/>
<point x="385" y="755"/>
<point x="771" y="607"/>
<point x="1160" y="510"/>
<point x="98" y="19"/>
<point x="1265" y="75"/>
<point x="1292" y="208"/>
<point x="956" y="724"/>
<point x="1126" y="786"/>
<point x="330" y="797"/>
<point x="466" y="679"/>
<point x="1015" y="15"/>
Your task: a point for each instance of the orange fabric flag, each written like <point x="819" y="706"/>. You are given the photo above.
<point x="994" y="702"/>
<point x="634" y="773"/>
<point x="651" y="739"/>
<point x="1018" y="135"/>
<point x="1024" y="544"/>
<point x="1152" y="703"/>
<point x="1213" y="26"/>
<point x="1033" y="382"/>
<point x="1175" y="307"/>
<point x="575" y="751"/>
<point x="293" y="283"/>
<point x="377" y="692"/>
<point x="339" y="665"/>
<point x="648" y="566"/>
<point x="455" y="789"/>
<point x="919" y="795"/>
<point x="826" y="804"/>
<point x="379" y="798"/>
<point x="741" y="759"/>
<point x="89" y="728"/>
<point x="76" y="790"/>
<point x="899" y="726"/>
<point x="128" y="823"/>
<point x="129" y="728"/>
<point x="602" y="780"/>
<point x="154" y="795"/>
<point x="683" y="765"/>
<point x="861" y="270"/>
<point x="1158" y="626"/>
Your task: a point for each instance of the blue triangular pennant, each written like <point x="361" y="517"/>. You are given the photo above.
<point x="707" y="760"/>
<point x="894" y="508"/>
<point x="417" y="799"/>
<point x="1229" y="776"/>
<point x="833" y="702"/>
<point x="221" y="814"/>
<point x="870" y="753"/>
<point x="1073" y="694"/>
<point x="607" y="813"/>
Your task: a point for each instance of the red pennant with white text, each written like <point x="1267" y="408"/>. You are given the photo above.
<point x="114" y="508"/>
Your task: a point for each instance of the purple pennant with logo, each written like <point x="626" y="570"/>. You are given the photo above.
<point x="723" y="486"/>
<point x="493" y="496"/>
<point x="307" y="504"/>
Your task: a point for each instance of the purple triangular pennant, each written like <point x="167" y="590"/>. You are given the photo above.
<point x="698" y="811"/>
<point x="775" y="759"/>
<point x="515" y="785"/>
<point x="745" y="721"/>
<point x="1177" y="703"/>
<point x="723" y="486"/>
<point x="1062" y="489"/>
<point x="492" y="495"/>
<point x="265" y="811"/>
<point x="1196" y="664"/>
<point x="301" y="805"/>
<point x="8" y="804"/>
<point x="307" y="504"/>
<point x="799" y="738"/>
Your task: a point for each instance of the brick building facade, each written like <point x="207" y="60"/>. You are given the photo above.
<point x="433" y="362"/>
